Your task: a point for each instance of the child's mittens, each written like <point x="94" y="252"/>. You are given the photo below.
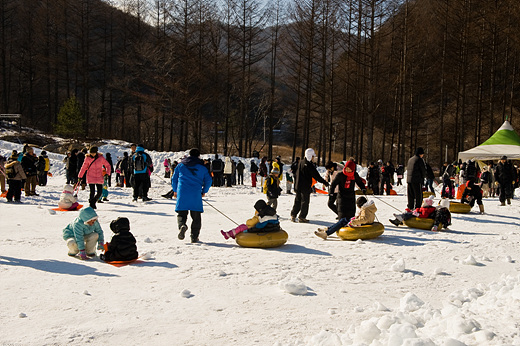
<point x="101" y="246"/>
<point x="350" y="222"/>
<point x="415" y="213"/>
<point x="82" y="254"/>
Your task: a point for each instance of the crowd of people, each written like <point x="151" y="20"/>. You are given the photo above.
<point x="192" y="177"/>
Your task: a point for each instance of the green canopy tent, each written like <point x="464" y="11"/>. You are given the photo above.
<point x="503" y="142"/>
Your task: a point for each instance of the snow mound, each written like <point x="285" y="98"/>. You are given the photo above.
<point x="186" y="293"/>
<point x="294" y="286"/>
<point x="398" y="266"/>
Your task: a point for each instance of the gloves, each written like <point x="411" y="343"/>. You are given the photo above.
<point x="82" y="254"/>
<point x="100" y="246"/>
<point x="415" y="213"/>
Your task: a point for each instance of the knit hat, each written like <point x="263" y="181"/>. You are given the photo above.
<point x="419" y="151"/>
<point x="68" y="188"/>
<point x="351" y="165"/>
<point x="93" y="150"/>
<point x="121" y="224"/>
<point x="503" y="158"/>
<point x="260" y="205"/>
<point x="309" y="154"/>
<point x="44" y="152"/>
<point x="428" y="202"/>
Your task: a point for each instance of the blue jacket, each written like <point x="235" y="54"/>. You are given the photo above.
<point x="190" y="180"/>
<point x="78" y="230"/>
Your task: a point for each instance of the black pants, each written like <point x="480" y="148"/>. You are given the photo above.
<point x="141" y="185"/>
<point x="388" y="186"/>
<point x="332" y="203"/>
<point x="241" y="178"/>
<point x="196" y="223"/>
<point x="374" y="185"/>
<point x="15" y="190"/>
<point x="42" y="178"/>
<point x="506" y="191"/>
<point x="347" y="206"/>
<point x="414" y="195"/>
<point x="229" y="180"/>
<point x="93" y="195"/>
<point x="301" y="204"/>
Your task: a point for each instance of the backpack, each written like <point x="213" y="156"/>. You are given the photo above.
<point x="139" y="162"/>
<point x="41" y="164"/>
<point x="10" y="172"/>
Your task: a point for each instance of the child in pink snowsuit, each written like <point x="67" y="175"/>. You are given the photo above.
<point x="265" y="220"/>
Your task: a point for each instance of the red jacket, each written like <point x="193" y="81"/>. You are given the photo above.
<point x="425" y="212"/>
<point x="94" y="168"/>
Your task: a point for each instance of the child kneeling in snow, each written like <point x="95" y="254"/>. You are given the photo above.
<point x="122" y="246"/>
<point x="366" y="216"/>
<point x="83" y="233"/>
<point x="67" y="199"/>
<point x="265" y="220"/>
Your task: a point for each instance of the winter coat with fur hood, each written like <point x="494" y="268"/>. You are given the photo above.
<point x="366" y="216"/>
<point x="93" y="167"/>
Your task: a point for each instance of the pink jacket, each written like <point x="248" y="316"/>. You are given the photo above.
<point x="95" y="172"/>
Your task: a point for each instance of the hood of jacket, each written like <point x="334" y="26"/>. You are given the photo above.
<point x="139" y="149"/>
<point x="370" y="205"/>
<point x="191" y="161"/>
<point x="87" y="214"/>
<point x="119" y="225"/>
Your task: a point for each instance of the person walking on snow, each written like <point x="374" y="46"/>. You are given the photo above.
<point x="505" y="176"/>
<point x="416" y="172"/>
<point x="305" y="172"/>
<point x="92" y="169"/>
<point x="142" y="167"/>
<point x="190" y="182"/>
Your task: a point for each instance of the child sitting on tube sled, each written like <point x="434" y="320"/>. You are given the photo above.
<point x="122" y="246"/>
<point x="366" y="216"/>
<point x="265" y="220"/>
<point x="427" y="211"/>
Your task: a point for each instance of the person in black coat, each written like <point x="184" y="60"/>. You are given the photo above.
<point x="125" y="169"/>
<point x="430" y="177"/>
<point x="387" y="173"/>
<point x="373" y="177"/>
<point x="254" y="172"/>
<point x="73" y="166"/>
<point x="303" y="186"/>
<point x="108" y="157"/>
<point x="416" y="172"/>
<point x="346" y="181"/>
<point x="505" y="175"/>
<point x="473" y="193"/>
<point x="122" y="247"/>
<point x="217" y="168"/>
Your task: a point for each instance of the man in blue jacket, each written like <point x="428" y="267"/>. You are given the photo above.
<point x="191" y="181"/>
<point x="142" y="167"/>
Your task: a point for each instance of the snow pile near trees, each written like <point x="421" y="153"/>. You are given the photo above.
<point x="407" y="287"/>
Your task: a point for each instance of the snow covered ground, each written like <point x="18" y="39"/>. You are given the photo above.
<point x="407" y="287"/>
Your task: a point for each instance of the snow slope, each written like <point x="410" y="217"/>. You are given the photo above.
<point x="407" y="287"/>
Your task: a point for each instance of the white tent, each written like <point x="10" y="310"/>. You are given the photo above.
<point x="503" y="142"/>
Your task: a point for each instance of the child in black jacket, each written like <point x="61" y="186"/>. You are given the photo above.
<point x="122" y="247"/>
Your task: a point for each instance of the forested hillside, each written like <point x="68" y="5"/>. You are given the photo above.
<point x="367" y="78"/>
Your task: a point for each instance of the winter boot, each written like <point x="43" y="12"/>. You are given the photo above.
<point x="435" y="228"/>
<point x="293" y="218"/>
<point x="182" y="232"/>
<point x="303" y="220"/>
<point x="481" y="207"/>
<point x="509" y="201"/>
<point x="502" y="204"/>
<point x="322" y="233"/>
<point x="226" y="235"/>
<point x="168" y="195"/>
<point x="395" y="222"/>
<point x="399" y="217"/>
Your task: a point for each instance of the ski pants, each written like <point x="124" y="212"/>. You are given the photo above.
<point x="196" y="223"/>
<point x="15" y="190"/>
<point x="253" y="179"/>
<point x="141" y="185"/>
<point x="94" y="197"/>
<point x="90" y="244"/>
<point x="301" y="204"/>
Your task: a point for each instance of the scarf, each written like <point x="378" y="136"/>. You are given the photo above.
<point x="350" y="175"/>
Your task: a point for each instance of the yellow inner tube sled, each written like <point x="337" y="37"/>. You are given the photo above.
<point x="262" y="240"/>
<point x="361" y="232"/>
<point x="427" y="194"/>
<point x="459" y="208"/>
<point x="421" y="223"/>
<point x="360" y="192"/>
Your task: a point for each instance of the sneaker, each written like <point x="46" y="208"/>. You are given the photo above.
<point x="303" y="220"/>
<point x="293" y="218"/>
<point x="435" y="228"/>
<point x="395" y="222"/>
<point x="100" y="201"/>
<point x="321" y="233"/>
<point x="105" y="199"/>
<point x="182" y="232"/>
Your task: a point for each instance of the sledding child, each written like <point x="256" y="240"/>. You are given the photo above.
<point x="472" y="193"/>
<point x="272" y="188"/>
<point x="265" y="220"/>
<point x="67" y="199"/>
<point x="427" y="210"/>
<point x="122" y="246"/>
<point x="366" y="216"/>
<point x="83" y="233"/>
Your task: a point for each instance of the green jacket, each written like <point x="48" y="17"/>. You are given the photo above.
<point x="78" y="230"/>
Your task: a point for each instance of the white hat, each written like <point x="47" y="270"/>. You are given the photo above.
<point x="309" y="154"/>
